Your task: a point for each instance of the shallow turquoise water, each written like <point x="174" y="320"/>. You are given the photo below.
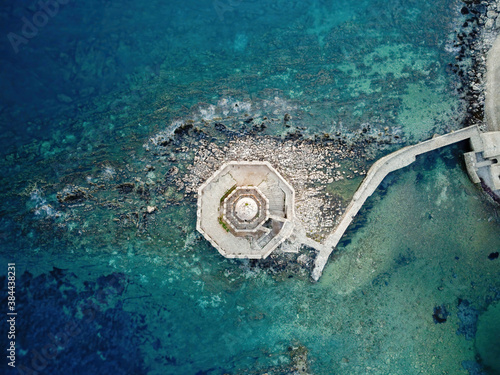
<point x="83" y="96"/>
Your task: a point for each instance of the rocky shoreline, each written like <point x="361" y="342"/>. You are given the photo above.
<point x="474" y="40"/>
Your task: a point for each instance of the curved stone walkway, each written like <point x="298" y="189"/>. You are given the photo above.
<point x="376" y="174"/>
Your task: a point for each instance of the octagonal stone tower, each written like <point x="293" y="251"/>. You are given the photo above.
<point x="245" y="209"/>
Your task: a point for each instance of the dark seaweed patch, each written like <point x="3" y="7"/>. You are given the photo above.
<point x="440" y="314"/>
<point x="493" y="256"/>
<point x="125" y="188"/>
<point x="79" y="330"/>
<point x="468" y="316"/>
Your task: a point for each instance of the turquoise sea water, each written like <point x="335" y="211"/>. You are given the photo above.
<point x="85" y="91"/>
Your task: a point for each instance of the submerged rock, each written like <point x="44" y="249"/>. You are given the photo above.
<point x="64" y="98"/>
<point x="72" y="194"/>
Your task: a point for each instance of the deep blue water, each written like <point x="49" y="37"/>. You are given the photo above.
<point x="84" y="85"/>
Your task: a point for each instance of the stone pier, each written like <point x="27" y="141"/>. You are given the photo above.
<point x="375" y="176"/>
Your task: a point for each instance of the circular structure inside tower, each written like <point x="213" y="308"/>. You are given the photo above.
<point x="246" y="209"/>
